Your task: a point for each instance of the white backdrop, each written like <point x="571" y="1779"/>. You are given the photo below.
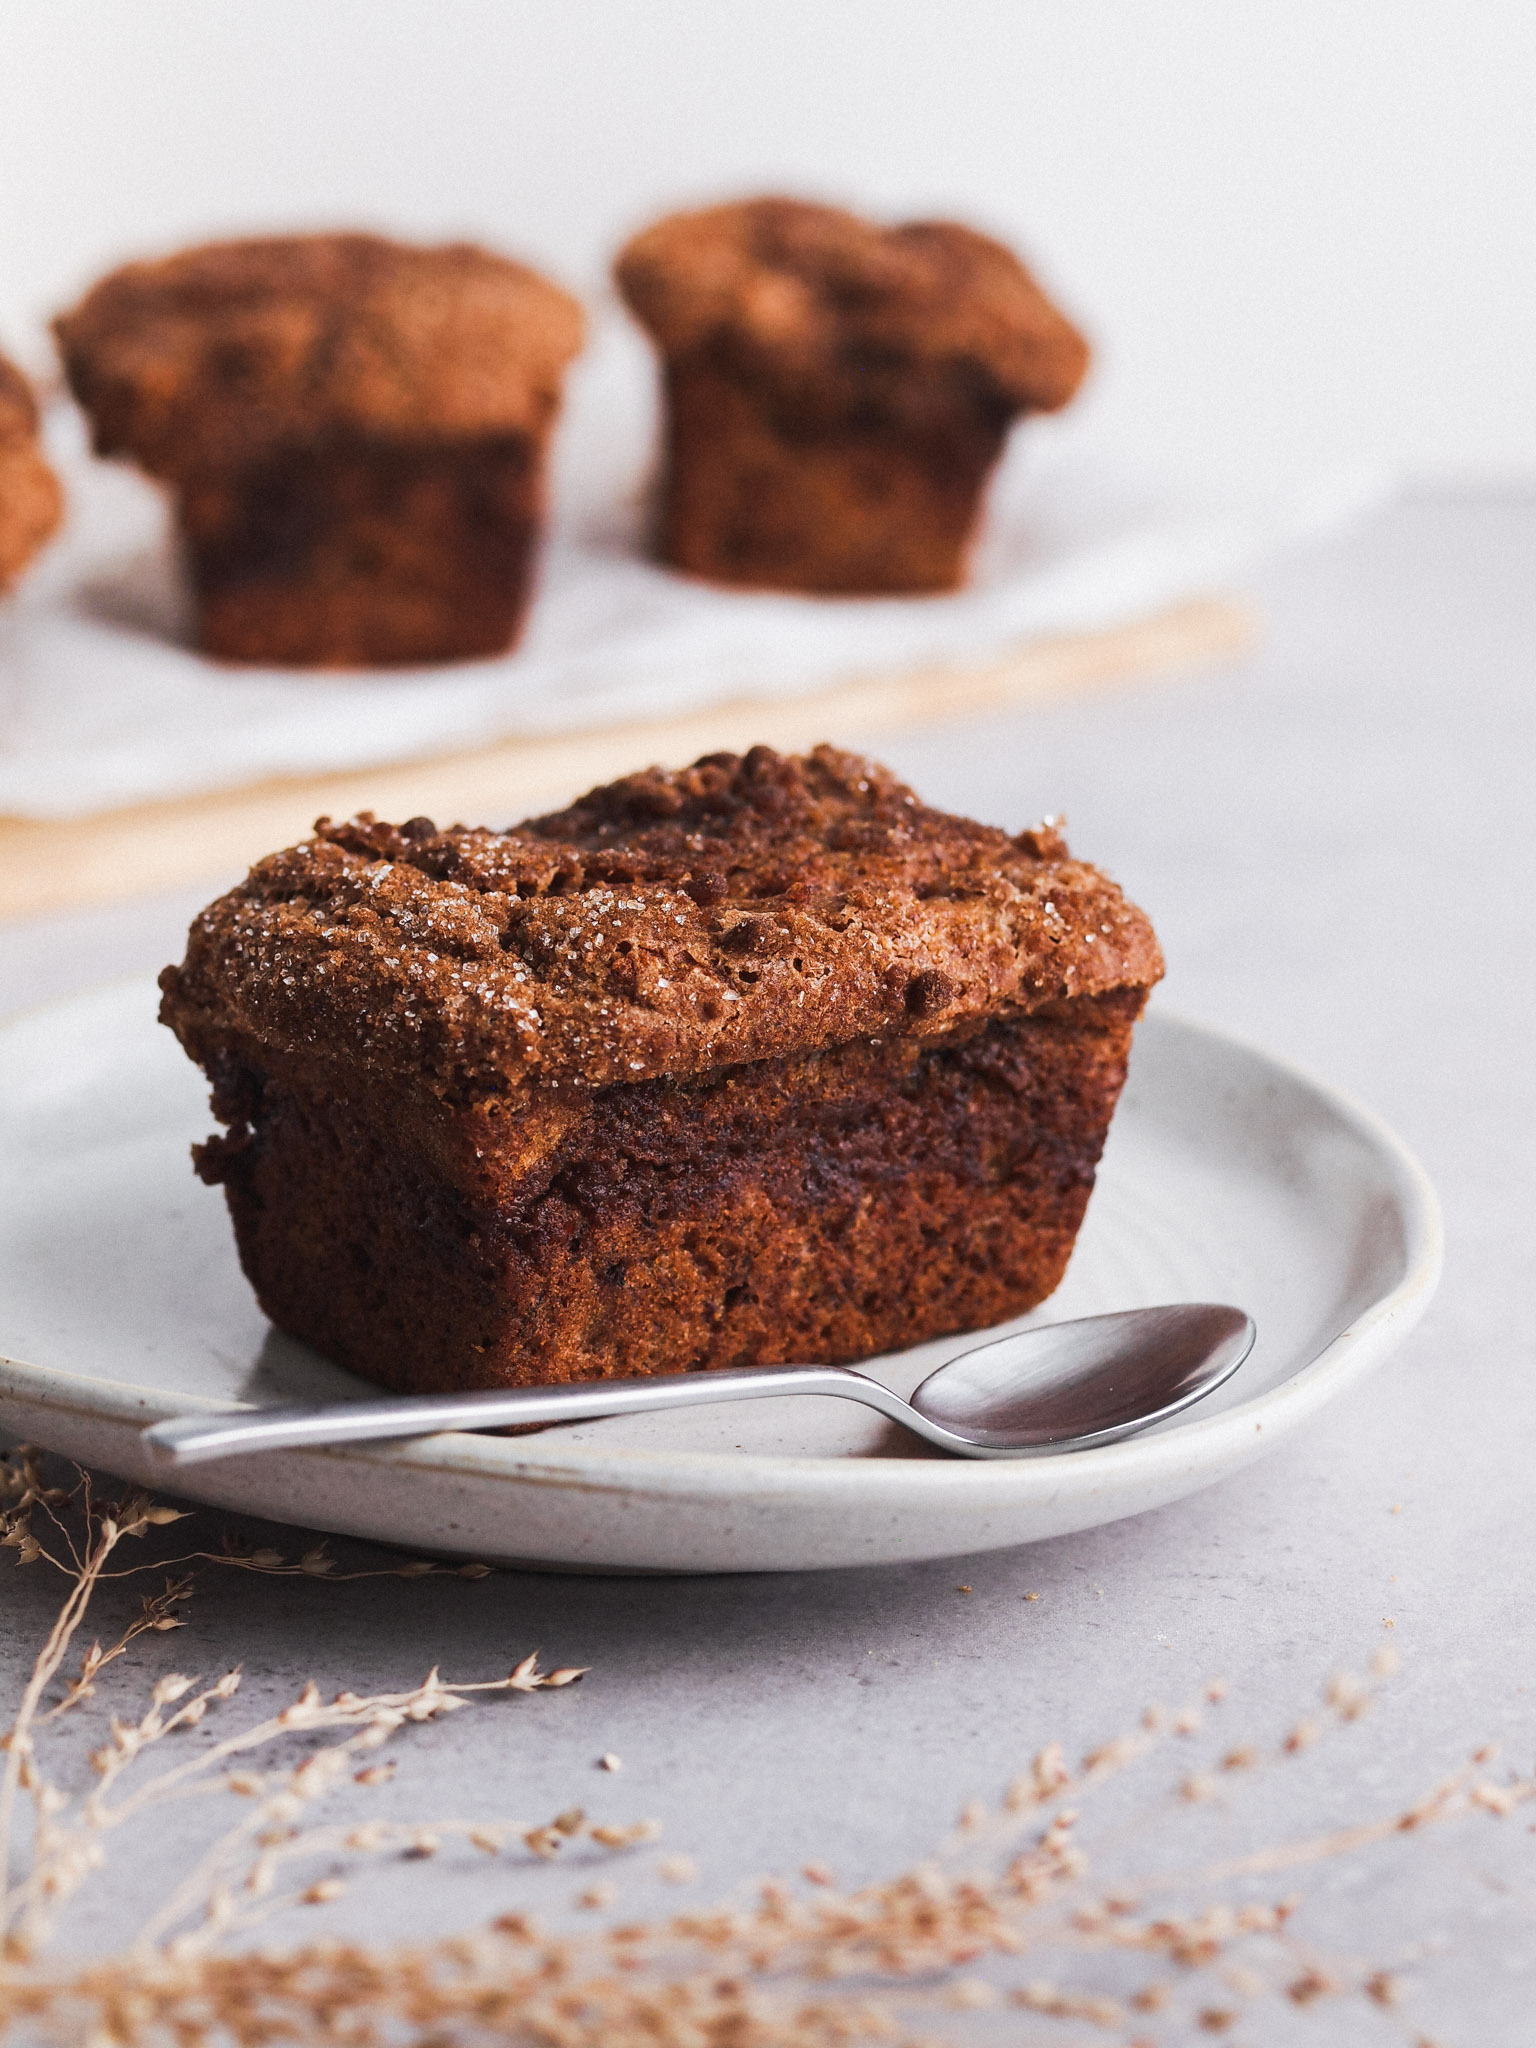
<point x="1303" y="234"/>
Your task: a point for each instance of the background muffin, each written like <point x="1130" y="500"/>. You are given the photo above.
<point x="355" y="431"/>
<point x="31" y="502"/>
<point x="837" y="392"/>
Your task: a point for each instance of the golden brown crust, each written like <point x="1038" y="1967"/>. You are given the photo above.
<point x="31" y="499"/>
<point x="818" y="304"/>
<point x="222" y="356"/>
<point x="674" y="922"/>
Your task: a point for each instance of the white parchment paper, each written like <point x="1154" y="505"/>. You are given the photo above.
<point x="104" y="702"/>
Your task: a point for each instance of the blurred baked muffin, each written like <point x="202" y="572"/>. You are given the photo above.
<point x="354" y="430"/>
<point x="31" y="502"/>
<point x="837" y="392"/>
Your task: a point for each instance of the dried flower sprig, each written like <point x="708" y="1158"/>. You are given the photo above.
<point x="70" y="1833"/>
<point x="962" y="1941"/>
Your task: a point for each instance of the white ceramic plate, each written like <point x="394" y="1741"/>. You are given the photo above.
<point x="1228" y="1177"/>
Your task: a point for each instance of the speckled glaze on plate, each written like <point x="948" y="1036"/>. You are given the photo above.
<point x="1228" y="1177"/>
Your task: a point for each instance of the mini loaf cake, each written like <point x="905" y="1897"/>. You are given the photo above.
<point x="354" y="430"/>
<point x="837" y="393"/>
<point x="754" y="1062"/>
<point x="31" y="502"/>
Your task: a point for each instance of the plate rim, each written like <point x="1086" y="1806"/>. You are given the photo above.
<point x="1199" y="1441"/>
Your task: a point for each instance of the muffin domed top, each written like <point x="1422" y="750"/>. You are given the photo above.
<point x="747" y="908"/>
<point x="792" y="291"/>
<point x="212" y="358"/>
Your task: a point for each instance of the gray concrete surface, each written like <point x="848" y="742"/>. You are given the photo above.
<point x="1337" y="840"/>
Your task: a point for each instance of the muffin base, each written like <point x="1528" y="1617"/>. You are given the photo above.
<point x="759" y="495"/>
<point x="816" y="1209"/>
<point x="365" y="555"/>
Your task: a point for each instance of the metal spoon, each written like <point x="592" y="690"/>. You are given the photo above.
<point x="1063" y="1387"/>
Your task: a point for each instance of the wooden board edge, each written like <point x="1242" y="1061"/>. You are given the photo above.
<point x="53" y="865"/>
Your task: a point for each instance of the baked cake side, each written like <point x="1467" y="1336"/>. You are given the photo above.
<point x="837" y="393"/>
<point x="753" y="1062"/>
<point x="355" y="430"/>
<point x="31" y="500"/>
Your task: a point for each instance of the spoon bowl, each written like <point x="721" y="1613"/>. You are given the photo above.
<point x="1091" y="1381"/>
<point x="1061" y="1387"/>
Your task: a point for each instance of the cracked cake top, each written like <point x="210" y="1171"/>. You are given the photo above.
<point x="671" y="922"/>
<point x="800" y="296"/>
<point x="221" y="355"/>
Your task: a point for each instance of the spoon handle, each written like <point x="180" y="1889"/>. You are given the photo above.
<point x="187" y="1440"/>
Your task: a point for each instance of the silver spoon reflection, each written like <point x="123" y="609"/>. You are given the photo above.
<point x="1061" y="1387"/>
